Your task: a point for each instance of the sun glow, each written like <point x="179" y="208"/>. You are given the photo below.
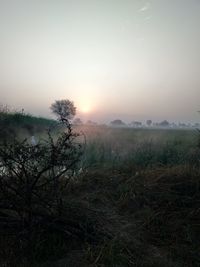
<point x="85" y="107"/>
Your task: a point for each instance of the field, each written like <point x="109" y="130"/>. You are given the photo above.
<point x="133" y="201"/>
<point x="122" y="147"/>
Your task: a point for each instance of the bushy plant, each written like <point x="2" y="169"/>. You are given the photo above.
<point x="33" y="178"/>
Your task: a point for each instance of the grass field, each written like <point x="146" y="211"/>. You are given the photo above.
<point x="141" y="147"/>
<point x="134" y="203"/>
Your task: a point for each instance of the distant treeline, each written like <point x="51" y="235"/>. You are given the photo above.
<point x="139" y="124"/>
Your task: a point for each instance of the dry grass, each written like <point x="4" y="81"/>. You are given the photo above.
<point x="133" y="212"/>
<point x="147" y="218"/>
<point x="123" y="218"/>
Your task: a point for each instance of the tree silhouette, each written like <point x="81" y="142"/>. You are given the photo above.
<point x="149" y="122"/>
<point x="63" y="109"/>
<point x="117" y="122"/>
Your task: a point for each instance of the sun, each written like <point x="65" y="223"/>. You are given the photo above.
<point x="85" y="105"/>
<point x="85" y="108"/>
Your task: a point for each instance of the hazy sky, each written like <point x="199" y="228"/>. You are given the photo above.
<point x="127" y="59"/>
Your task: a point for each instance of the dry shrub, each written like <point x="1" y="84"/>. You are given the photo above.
<point x="33" y="178"/>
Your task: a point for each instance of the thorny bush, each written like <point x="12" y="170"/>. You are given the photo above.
<point x="32" y="182"/>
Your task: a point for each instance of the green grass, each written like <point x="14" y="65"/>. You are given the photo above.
<point x="22" y="125"/>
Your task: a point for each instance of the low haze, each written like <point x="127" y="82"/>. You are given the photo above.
<point x="126" y="59"/>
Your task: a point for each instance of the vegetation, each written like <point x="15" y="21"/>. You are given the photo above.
<point x="18" y="124"/>
<point x="131" y="200"/>
<point x="145" y="148"/>
<point x="33" y="178"/>
<point x="63" y="109"/>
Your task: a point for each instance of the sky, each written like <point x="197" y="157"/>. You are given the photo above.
<point x="115" y="59"/>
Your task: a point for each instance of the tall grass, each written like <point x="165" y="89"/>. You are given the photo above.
<point x="141" y="147"/>
<point x="136" y="203"/>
